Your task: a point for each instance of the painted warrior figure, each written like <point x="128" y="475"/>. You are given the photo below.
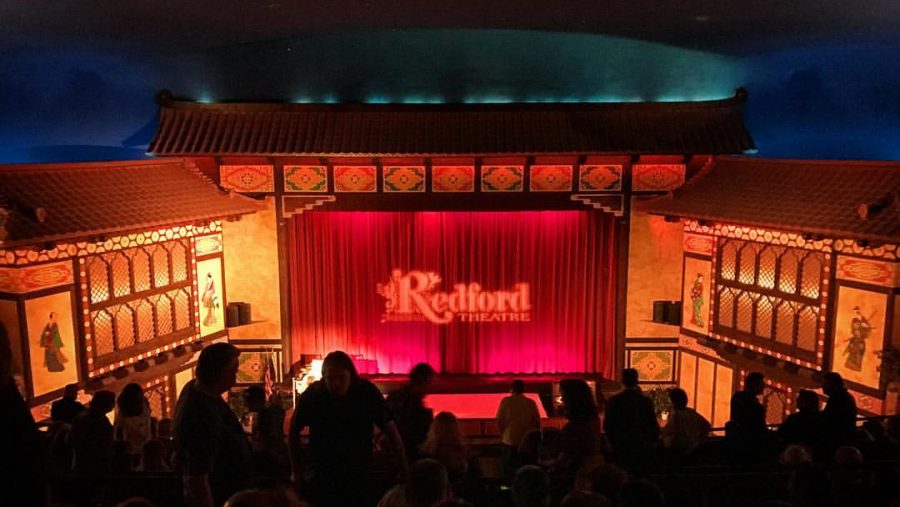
<point x="51" y="341"/>
<point x="210" y="300"/>
<point x="860" y="329"/>
<point x="697" y="301"/>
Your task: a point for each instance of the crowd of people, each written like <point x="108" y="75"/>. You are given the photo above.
<point x="350" y="446"/>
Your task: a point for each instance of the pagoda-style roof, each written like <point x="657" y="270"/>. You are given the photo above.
<point x="48" y="203"/>
<point x="855" y="200"/>
<point x="707" y="127"/>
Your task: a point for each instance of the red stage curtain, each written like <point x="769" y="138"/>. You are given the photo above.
<point x="567" y="257"/>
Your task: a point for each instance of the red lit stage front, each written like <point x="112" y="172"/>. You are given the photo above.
<point x="474" y="406"/>
<point x="523" y="292"/>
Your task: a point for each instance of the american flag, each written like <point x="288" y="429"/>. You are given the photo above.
<point x="269" y="378"/>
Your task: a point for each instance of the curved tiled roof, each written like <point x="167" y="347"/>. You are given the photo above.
<point x="855" y="200"/>
<point x="62" y="202"/>
<point x="187" y="128"/>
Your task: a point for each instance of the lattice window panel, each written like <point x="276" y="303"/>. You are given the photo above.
<point x="145" y="325"/>
<point x="121" y="274"/>
<point x="811" y="276"/>
<point x="179" y="262"/>
<point x="160" y="266"/>
<point x="98" y="279"/>
<point x="728" y="261"/>
<point x="747" y="264"/>
<point x="156" y="398"/>
<point x="775" y="402"/>
<point x="164" y="318"/>
<point x="784" y="323"/>
<point x="787" y="278"/>
<point x="807" y="328"/>
<point x="763" y="326"/>
<point x="182" y="306"/>
<point x="104" y="341"/>
<point x="745" y="313"/>
<point x="726" y="307"/>
<point x="768" y="259"/>
<point x="125" y="336"/>
<point x="140" y="265"/>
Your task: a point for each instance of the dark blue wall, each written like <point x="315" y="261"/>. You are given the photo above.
<point x="837" y="101"/>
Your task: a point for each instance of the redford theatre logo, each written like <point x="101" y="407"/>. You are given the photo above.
<point x="414" y="296"/>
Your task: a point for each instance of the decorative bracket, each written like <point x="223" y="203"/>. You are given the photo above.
<point x="609" y="203"/>
<point x="297" y="204"/>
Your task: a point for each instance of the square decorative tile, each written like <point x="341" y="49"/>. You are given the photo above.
<point x="355" y="179"/>
<point x="305" y="178"/>
<point x="599" y="177"/>
<point x="247" y="178"/>
<point x="404" y="179"/>
<point x="450" y="178"/>
<point x="657" y="177"/>
<point x="653" y="365"/>
<point x="502" y="178"/>
<point x="550" y="178"/>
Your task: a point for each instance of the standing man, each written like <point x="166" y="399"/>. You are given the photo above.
<point x="407" y="407"/>
<point x="210" y="445"/>
<point x="516" y="416"/>
<point x="839" y="416"/>
<point x="631" y="425"/>
<point x="340" y="411"/>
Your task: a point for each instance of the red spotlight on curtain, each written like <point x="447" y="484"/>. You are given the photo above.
<point x="566" y="258"/>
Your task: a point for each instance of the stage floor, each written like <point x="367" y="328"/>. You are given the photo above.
<point x="474" y="405"/>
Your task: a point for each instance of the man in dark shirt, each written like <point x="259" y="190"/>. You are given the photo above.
<point x="631" y="425"/>
<point x="804" y="426"/>
<point x="66" y="408"/>
<point x="92" y="436"/>
<point x="407" y="407"/>
<point x="839" y="415"/>
<point x="210" y="446"/>
<point x="340" y="412"/>
<point x="748" y="415"/>
<point x="23" y="479"/>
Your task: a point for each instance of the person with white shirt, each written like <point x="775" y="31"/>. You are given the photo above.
<point x="516" y="416"/>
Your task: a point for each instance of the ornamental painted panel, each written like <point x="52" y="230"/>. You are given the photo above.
<point x="355" y="178"/>
<point x="653" y="365"/>
<point x="251" y="367"/>
<point x="657" y="177"/>
<point x="32" y="278"/>
<point x="878" y="272"/>
<point x="210" y="296"/>
<point x="858" y="335"/>
<point x="551" y="178"/>
<point x="502" y="178"/>
<point x="453" y="178"/>
<point x="599" y="177"/>
<point x="698" y="243"/>
<point x="51" y="342"/>
<point x="305" y="178"/>
<point x="247" y="178"/>
<point x="404" y="179"/>
<point x="206" y="245"/>
<point x="695" y="295"/>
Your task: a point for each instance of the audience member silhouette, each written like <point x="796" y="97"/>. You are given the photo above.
<point x="516" y="416"/>
<point x="747" y="431"/>
<point x="804" y="426"/>
<point x="92" y="436"/>
<point x="210" y="446"/>
<point x="581" y="434"/>
<point x="66" y="408"/>
<point x="641" y="493"/>
<point x="22" y="472"/>
<point x="133" y="420"/>
<point x="605" y="479"/>
<point x="426" y="486"/>
<point x="685" y="429"/>
<point x="445" y="445"/>
<point x="340" y="411"/>
<point x="407" y="407"/>
<point x="839" y="415"/>
<point x="531" y="487"/>
<point x="631" y="425"/>
<point x="584" y="499"/>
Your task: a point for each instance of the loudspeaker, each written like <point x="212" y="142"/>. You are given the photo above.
<point x="667" y="312"/>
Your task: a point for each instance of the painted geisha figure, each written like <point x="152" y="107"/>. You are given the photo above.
<point x="697" y="301"/>
<point x="51" y="341"/>
<point x="209" y="300"/>
<point x="860" y="329"/>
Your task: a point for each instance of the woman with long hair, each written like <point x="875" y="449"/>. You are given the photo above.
<point x="446" y="445"/>
<point x="133" y="421"/>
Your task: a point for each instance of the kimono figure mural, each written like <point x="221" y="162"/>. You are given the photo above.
<point x="697" y="301"/>
<point x="210" y="300"/>
<point x="855" y="348"/>
<point x="51" y="342"/>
